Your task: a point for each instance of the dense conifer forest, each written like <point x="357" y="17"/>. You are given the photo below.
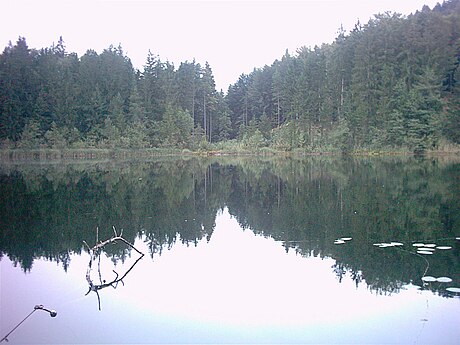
<point x="390" y="84"/>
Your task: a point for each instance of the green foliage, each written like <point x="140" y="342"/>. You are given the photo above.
<point x="18" y="89"/>
<point x="283" y="137"/>
<point x="451" y="119"/>
<point x="221" y="125"/>
<point x="388" y="84"/>
<point x="254" y="140"/>
<point x="31" y="137"/>
<point x="175" y="129"/>
<point x="56" y="137"/>
<point x="340" y="137"/>
<point x="388" y="79"/>
<point x="111" y="135"/>
<point x="265" y="126"/>
<point x="135" y="136"/>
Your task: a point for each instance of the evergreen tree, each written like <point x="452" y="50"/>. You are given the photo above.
<point x="425" y="109"/>
<point x="175" y="129"/>
<point x="390" y="83"/>
<point x="18" y="89"/>
<point x="222" y="122"/>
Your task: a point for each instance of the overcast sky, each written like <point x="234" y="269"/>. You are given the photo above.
<point x="233" y="36"/>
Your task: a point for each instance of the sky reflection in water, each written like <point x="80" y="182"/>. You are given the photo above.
<point x="238" y="287"/>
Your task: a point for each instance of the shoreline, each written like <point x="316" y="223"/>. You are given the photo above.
<point x="90" y="154"/>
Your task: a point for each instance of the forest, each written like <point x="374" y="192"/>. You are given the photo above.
<point x="390" y="84"/>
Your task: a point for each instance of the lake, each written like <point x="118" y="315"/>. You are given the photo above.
<point x="231" y="250"/>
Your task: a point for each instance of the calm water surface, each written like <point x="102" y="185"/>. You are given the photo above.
<point x="236" y="251"/>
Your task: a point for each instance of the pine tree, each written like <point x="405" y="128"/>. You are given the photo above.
<point x="18" y="89"/>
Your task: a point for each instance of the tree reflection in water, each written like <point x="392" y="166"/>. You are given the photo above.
<point x="47" y="210"/>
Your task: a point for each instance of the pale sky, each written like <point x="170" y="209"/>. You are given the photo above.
<point x="233" y="36"/>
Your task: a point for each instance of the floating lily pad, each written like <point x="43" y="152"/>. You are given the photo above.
<point x="345" y="238"/>
<point x="418" y="244"/>
<point x="429" y="279"/>
<point x="444" y="279"/>
<point x="444" y="247"/>
<point x="424" y="252"/>
<point x="453" y="289"/>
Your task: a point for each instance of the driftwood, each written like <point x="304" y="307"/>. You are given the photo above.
<point x="94" y="253"/>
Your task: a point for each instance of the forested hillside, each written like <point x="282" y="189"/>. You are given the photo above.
<point x="390" y="84"/>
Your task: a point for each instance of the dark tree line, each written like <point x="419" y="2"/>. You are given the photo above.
<point x="390" y="83"/>
<point x="53" y="98"/>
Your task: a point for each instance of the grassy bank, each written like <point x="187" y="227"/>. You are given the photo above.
<point x="123" y="154"/>
<point x="85" y="154"/>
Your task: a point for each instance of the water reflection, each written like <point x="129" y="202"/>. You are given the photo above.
<point x="236" y="287"/>
<point x="48" y="211"/>
<point x="277" y="250"/>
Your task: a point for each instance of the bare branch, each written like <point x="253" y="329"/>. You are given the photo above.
<point x="89" y="249"/>
<point x="96" y="249"/>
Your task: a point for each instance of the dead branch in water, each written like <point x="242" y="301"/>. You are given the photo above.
<point x="114" y="239"/>
<point x="95" y="252"/>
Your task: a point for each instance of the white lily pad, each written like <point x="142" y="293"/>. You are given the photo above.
<point x="424" y="252"/>
<point x="429" y="279"/>
<point x="418" y="244"/>
<point x="453" y="289"/>
<point x="444" y="247"/>
<point x="444" y="279"/>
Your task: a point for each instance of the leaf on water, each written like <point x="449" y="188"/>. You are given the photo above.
<point x="418" y="244"/>
<point x="345" y="238"/>
<point x="424" y="252"/>
<point x="453" y="289"/>
<point x="444" y="247"/>
<point x="429" y="279"/>
<point x="444" y="279"/>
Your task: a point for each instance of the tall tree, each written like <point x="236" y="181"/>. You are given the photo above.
<point x="18" y="88"/>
